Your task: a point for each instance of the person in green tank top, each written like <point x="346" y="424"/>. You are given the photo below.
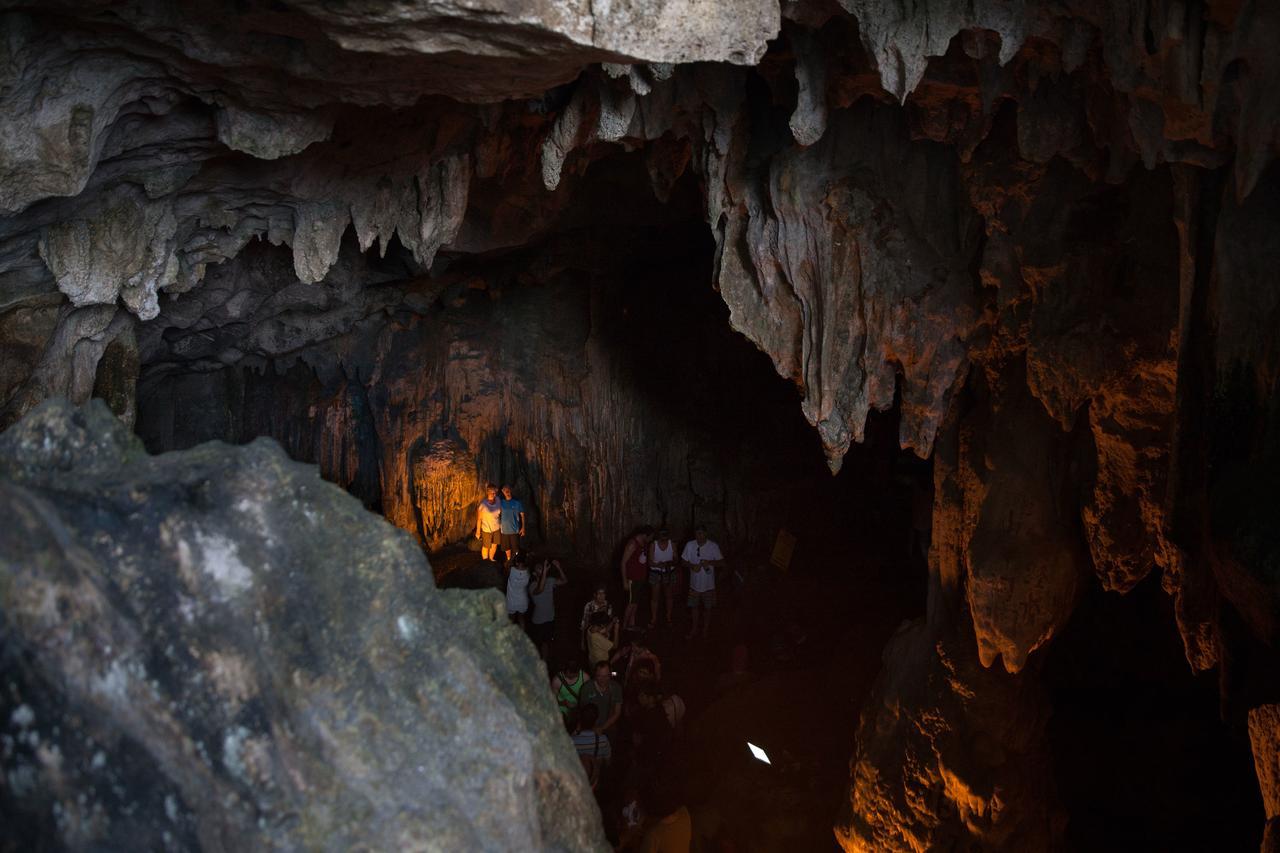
<point x="567" y="685"/>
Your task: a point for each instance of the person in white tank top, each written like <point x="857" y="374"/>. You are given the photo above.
<point x="663" y="575"/>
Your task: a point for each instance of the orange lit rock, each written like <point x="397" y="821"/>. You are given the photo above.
<point x="1264" y="735"/>
<point x="1022" y="563"/>
<point x="950" y="753"/>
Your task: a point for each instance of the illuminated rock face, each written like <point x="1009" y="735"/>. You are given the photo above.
<point x="548" y="371"/>
<point x="216" y="649"/>
<point x="1046" y="232"/>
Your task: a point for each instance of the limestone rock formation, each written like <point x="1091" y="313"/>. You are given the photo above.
<point x="126" y="109"/>
<point x="1264" y="732"/>
<point x="1044" y="232"/>
<point x="421" y="389"/>
<point x="214" y="649"/>
<point x="950" y="753"/>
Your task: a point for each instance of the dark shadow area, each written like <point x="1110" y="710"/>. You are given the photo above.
<point x="810" y="636"/>
<point x="1142" y="758"/>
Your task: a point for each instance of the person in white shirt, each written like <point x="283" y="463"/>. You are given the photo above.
<point x="489" y="522"/>
<point x="701" y="556"/>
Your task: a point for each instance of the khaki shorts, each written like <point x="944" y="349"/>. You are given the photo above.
<point x="489" y="537"/>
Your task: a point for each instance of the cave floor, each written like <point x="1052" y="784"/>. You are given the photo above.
<point x="814" y="636"/>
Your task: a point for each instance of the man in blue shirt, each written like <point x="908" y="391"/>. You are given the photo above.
<point x="512" y="522"/>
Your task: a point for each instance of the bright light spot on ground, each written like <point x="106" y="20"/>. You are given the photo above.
<point x="759" y="753"/>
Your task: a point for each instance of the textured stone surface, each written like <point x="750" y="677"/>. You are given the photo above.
<point x="122" y="250"/>
<point x="1044" y="231"/>
<point x="539" y="369"/>
<point x="215" y="649"/>
<point x="109" y="104"/>
<point x="949" y="753"/>
<point x="857" y="247"/>
<point x="1022" y="562"/>
<point x="1264" y="734"/>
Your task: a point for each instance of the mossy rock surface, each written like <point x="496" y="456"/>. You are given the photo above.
<point x="216" y="649"/>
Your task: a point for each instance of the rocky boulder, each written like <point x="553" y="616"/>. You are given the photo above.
<point x="215" y="649"/>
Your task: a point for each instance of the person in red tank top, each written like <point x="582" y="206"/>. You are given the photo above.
<point x="635" y="571"/>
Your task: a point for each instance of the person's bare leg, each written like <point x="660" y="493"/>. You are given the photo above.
<point x="671" y="601"/>
<point x="693" y="624"/>
<point x="653" y="605"/>
<point x="706" y="623"/>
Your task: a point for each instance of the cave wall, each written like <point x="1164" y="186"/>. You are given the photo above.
<point x="493" y="380"/>
<point x="1044" y="229"/>
<point x="580" y="370"/>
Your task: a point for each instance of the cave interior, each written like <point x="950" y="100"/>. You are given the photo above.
<point x="952" y="322"/>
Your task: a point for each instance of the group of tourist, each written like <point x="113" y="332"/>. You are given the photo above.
<point x="624" y="725"/>
<point x="622" y="721"/>
<point x="530" y="583"/>
<point x="649" y="561"/>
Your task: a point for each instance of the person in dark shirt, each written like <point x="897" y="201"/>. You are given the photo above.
<point x="603" y="692"/>
<point x="657" y="722"/>
<point x="635" y="571"/>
